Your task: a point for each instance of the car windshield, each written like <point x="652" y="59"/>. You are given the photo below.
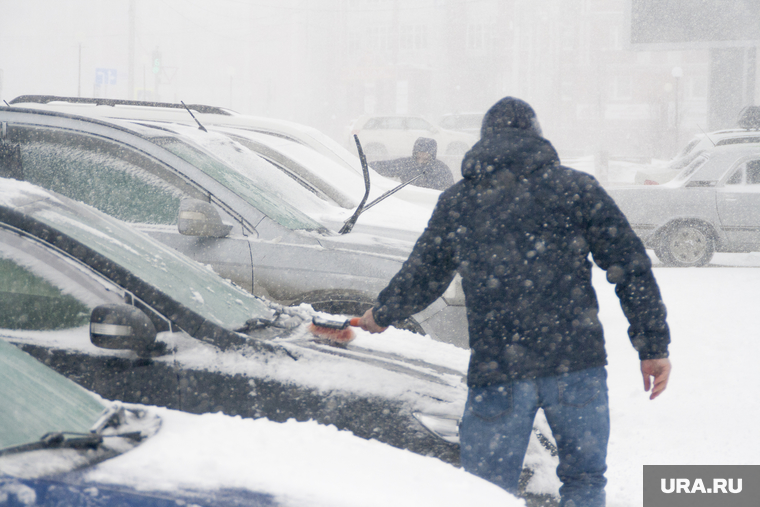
<point x="337" y="176"/>
<point x="252" y="178"/>
<point x="36" y="400"/>
<point x="184" y="280"/>
<point x="464" y="121"/>
<point x="709" y="168"/>
<point x="691" y="168"/>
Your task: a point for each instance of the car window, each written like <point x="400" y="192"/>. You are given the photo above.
<point x="739" y="140"/>
<point x="737" y="177"/>
<point x="42" y="291"/>
<point x="182" y="279"/>
<point x="753" y="172"/>
<point x="417" y="124"/>
<point x="386" y="123"/>
<point x="373" y="124"/>
<point x="28" y="301"/>
<point x="449" y="122"/>
<point x="110" y="176"/>
<point x="36" y="400"/>
<point x="240" y="181"/>
<point x="691" y="168"/>
<point x="689" y="146"/>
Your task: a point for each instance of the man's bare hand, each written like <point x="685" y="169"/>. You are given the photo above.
<point x="660" y="370"/>
<point x="367" y="322"/>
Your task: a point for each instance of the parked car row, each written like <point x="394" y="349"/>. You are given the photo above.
<point x="119" y="243"/>
<point x="747" y="131"/>
<point x="133" y="320"/>
<point x="208" y="195"/>
<point x="712" y="205"/>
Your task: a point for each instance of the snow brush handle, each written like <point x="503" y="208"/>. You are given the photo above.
<point x="354" y="322"/>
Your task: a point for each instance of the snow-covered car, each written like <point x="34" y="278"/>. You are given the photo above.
<point x="220" y="203"/>
<point x="61" y="445"/>
<point x="133" y="320"/>
<point x="303" y="152"/>
<point x="392" y="136"/>
<point x="462" y="122"/>
<point x="713" y="205"/>
<point x="747" y="132"/>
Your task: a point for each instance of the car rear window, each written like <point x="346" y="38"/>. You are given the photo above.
<point x="739" y="140"/>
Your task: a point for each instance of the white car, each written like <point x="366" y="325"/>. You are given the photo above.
<point x="463" y="122"/>
<point x="392" y="136"/>
<point x="747" y="132"/>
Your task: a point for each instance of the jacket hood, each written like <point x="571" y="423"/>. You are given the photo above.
<point x="510" y="113"/>
<point x="517" y="150"/>
<point x="425" y="144"/>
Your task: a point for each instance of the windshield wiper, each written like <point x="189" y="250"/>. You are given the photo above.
<point x="58" y="440"/>
<point x="393" y="191"/>
<point x="113" y="416"/>
<point x="349" y="224"/>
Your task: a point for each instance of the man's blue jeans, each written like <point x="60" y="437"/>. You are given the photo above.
<point x="498" y="421"/>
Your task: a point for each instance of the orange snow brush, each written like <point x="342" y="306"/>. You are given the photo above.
<point x="336" y="331"/>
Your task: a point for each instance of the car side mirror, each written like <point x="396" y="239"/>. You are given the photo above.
<point x="121" y="326"/>
<point x="199" y="218"/>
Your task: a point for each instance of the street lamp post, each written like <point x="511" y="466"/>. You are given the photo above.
<point x="677" y="73"/>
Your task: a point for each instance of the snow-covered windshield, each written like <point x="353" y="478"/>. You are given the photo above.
<point x="184" y="280"/>
<point x="36" y="400"/>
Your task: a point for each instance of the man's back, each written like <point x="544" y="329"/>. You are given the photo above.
<point x="519" y="228"/>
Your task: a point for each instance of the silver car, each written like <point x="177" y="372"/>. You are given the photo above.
<point x="304" y="152"/>
<point x="251" y="223"/>
<point x="713" y="205"/>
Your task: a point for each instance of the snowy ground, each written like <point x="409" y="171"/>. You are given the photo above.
<point x="705" y="416"/>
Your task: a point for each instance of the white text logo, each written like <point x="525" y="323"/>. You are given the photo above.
<point x="685" y="486"/>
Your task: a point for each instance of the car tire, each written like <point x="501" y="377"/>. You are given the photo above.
<point x="663" y="254"/>
<point x="686" y="245"/>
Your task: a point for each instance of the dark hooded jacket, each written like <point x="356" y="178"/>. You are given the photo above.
<point x="435" y="174"/>
<point x="519" y="229"/>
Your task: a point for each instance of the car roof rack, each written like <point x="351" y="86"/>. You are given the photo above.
<point x="46" y="99"/>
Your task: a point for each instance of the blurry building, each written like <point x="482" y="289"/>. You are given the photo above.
<point x="571" y="59"/>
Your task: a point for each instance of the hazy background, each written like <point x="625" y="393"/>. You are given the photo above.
<point x="325" y="62"/>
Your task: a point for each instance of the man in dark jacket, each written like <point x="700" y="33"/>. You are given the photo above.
<point x="432" y="173"/>
<point x="519" y="229"/>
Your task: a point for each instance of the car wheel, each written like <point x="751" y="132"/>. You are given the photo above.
<point x="687" y="245"/>
<point x="338" y="304"/>
<point x="662" y="253"/>
<point x="376" y="151"/>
